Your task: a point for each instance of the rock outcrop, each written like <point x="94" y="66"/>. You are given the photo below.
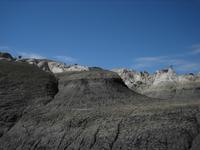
<point x="57" y="67"/>
<point x="53" y="66"/>
<point x="164" y="84"/>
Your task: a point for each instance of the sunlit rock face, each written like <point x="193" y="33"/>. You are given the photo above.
<point x="137" y="81"/>
<point x="54" y="66"/>
<point x="164" y="84"/>
<point x="57" y="67"/>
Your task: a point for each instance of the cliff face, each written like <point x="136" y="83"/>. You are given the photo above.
<point x="164" y="84"/>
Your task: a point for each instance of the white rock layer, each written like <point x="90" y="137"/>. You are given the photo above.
<point x="164" y="84"/>
<point x="54" y="66"/>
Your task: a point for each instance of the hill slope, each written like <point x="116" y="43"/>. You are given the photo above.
<point x="21" y="87"/>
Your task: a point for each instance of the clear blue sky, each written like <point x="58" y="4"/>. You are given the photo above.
<point x="138" y="34"/>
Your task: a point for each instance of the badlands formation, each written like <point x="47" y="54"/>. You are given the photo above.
<point x="164" y="84"/>
<point x="89" y="109"/>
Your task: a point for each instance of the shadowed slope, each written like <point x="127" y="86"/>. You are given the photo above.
<point x="21" y="87"/>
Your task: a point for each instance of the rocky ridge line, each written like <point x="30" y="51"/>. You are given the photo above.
<point x="45" y="64"/>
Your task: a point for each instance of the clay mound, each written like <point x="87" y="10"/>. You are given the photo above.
<point x="6" y="56"/>
<point x="95" y="88"/>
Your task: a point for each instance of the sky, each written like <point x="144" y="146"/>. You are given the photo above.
<point x="136" y="34"/>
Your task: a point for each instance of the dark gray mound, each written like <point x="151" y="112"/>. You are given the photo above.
<point x="21" y="87"/>
<point x="5" y="55"/>
<point x="95" y="110"/>
<point x="93" y="89"/>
